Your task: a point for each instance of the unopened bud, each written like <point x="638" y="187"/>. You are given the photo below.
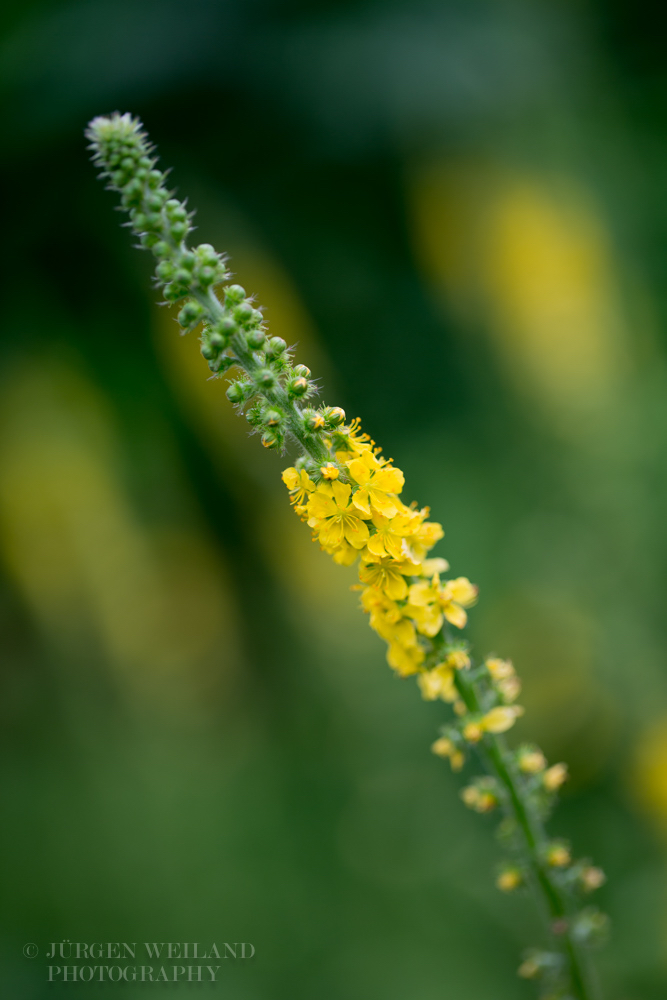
<point x="558" y="855"/>
<point x="298" y="386"/>
<point x="592" y="878"/>
<point x="555" y="777"/>
<point x="256" y="339"/>
<point x="509" y="879"/>
<point x="531" y="760"/>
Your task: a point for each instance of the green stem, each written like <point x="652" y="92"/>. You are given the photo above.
<point x="535" y="840"/>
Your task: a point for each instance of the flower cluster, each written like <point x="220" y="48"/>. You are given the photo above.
<point x="350" y="497"/>
<point x="352" y="502"/>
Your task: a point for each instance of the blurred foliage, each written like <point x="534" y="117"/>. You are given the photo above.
<point x="459" y="212"/>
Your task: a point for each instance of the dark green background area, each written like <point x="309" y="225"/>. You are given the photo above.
<point x="200" y="738"/>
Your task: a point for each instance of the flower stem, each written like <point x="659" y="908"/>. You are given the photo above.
<point x="499" y="763"/>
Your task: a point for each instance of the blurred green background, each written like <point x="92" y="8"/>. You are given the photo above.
<point x="458" y="210"/>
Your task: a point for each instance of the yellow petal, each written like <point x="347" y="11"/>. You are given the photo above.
<point x="321" y="505"/>
<point x="341" y="492"/>
<point x="359" y="471"/>
<point x="462" y="591"/>
<point x="395" y="587"/>
<point x="502" y="718"/>
<point x="291" y="478"/>
<point x="361" y="501"/>
<point x="389" y="480"/>
<point x="331" y="532"/>
<point x="382" y="503"/>
<point x="375" y="546"/>
<point x="356" y="530"/>
<point x="456" y="615"/>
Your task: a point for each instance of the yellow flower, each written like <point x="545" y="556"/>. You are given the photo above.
<point x="404" y="654"/>
<point x="388" y="576"/>
<point x="334" y="518"/>
<point x="500" y="719"/>
<point x="438" y="683"/>
<point x="428" y="603"/>
<point x="384" y="613"/>
<point x="390" y="535"/>
<point x="378" y="485"/>
<point x="355" y="443"/>
<point x="300" y="487"/>
<point x="454" y="597"/>
<point x="425" y="538"/>
<point x="424" y="606"/>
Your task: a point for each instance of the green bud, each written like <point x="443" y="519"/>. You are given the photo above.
<point x="175" y="210"/>
<point x="270" y="439"/>
<point x="312" y="420"/>
<point x="335" y="416"/>
<point x="153" y="202"/>
<point x="182" y="277"/>
<point x="208" y="352"/>
<point x="206" y="275"/>
<point x="272" y="418"/>
<point x="234" y="294"/>
<point x="207" y="254"/>
<point x="265" y="378"/>
<point x="277" y="346"/>
<point x="132" y="194"/>
<point x="256" y="339"/>
<point x="243" y="312"/>
<point x="155" y="179"/>
<point x="223" y="363"/>
<point x="173" y="292"/>
<point x="178" y="230"/>
<point x="238" y="392"/>
<point x="190" y="314"/>
<point x="302" y="370"/>
<point x="297" y="387"/>
<point x="254" y="416"/>
<point x="188" y="260"/>
<point x="217" y="341"/>
<point x="162" y="249"/>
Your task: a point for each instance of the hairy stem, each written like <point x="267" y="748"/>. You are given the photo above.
<point x="534" y="839"/>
